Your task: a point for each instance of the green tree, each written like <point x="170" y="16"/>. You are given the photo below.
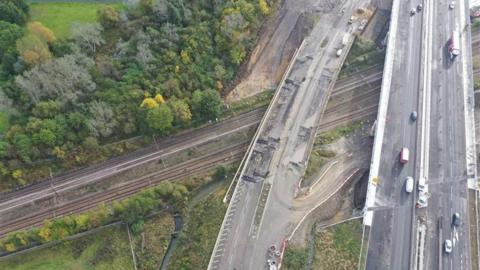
<point x="160" y="119"/>
<point x="206" y="105"/>
<point x="44" y="137"/>
<point x="9" y="33"/>
<point x="23" y="147"/>
<point x="10" y="12"/>
<point x="181" y="111"/>
<point x="3" y="148"/>
<point x="46" y="109"/>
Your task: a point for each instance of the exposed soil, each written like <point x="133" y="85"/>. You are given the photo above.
<point x="278" y="39"/>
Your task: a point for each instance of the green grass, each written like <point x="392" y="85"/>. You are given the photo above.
<point x="333" y="135"/>
<point x="59" y="17"/>
<point x="295" y="258"/>
<point x="105" y="250"/>
<point x="4" y="122"/>
<point x="317" y="160"/>
<point x="362" y="55"/>
<point x="154" y="239"/>
<point x="259" y="100"/>
<point x="338" y="247"/>
<point x="198" y="236"/>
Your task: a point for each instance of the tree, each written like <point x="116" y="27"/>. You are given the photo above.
<point x="9" y="33"/>
<point x="23" y="147"/>
<point x="64" y="79"/>
<point x="102" y="122"/>
<point x="108" y="16"/>
<point x="206" y="105"/>
<point x="33" y="50"/>
<point x="160" y="119"/>
<point x="88" y="35"/>
<point x="44" y="137"/>
<point x="46" y="109"/>
<point x="42" y="32"/>
<point x="10" y="12"/>
<point x="181" y="111"/>
<point x="264" y="7"/>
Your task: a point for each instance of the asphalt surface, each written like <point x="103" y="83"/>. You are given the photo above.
<point x="427" y="81"/>
<point x="390" y="235"/>
<point x="262" y="210"/>
<point x="447" y="168"/>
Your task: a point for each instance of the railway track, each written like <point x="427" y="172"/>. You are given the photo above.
<point x="179" y="171"/>
<point x="362" y="79"/>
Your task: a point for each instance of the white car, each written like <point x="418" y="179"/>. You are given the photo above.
<point x="451" y="5"/>
<point x="448" y="246"/>
<point x="409" y="184"/>
<point x="412" y="11"/>
<point x="422" y="185"/>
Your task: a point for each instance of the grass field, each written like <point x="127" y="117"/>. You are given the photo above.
<point x="199" y="233"/>
<point x="59" y="17"/>
<point x="105" y="250"/>
<point x="338" y="247"/>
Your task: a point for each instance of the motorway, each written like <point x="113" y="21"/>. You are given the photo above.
<point x="426" y="81"/>
<point x="390" y="246"/>
<point x="448" y="169"/>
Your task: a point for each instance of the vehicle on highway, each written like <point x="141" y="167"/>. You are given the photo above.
<point x="404" y="155"/>
<point x="451" y="5"/>
<point x="419" y="7"/>
<point x="412" y="11"/>
<point x="454" y="45"/>
<point x="456" y="220"/>
<point x="409" y="184"/>
<point x="448" y="246"/>
<point x="413" y="116"/>
<point x="339" y="52"/>
<point x="422" y="185"/>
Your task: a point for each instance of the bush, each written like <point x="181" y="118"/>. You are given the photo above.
<point x="131" y="211"/>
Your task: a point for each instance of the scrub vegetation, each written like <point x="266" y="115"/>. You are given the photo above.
<point x="103" y="250"/>
<point x="338" y="247"/>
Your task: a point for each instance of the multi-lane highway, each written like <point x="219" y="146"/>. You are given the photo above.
<point x="390" y="245"/>
<point x="420" y="76"/>
<point x="450" y="132"/>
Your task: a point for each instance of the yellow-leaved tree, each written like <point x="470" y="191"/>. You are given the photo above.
<point x="42" y="32"/>
<point x="264" y="8"/>
<point x="159" y="99"/>
<point x="149" y="103"/>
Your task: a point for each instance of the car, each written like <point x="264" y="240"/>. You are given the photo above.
<point x="413" y="116"/>
<point x="419" y="7"/>
<point x="404" y="155"/>
<point x="339" y="52"/>
<point x="448" y="246"/>
<point x="412" y="11"/>
<point x="422" y="185"/>
<point x="456" y="220"/>
<point x="451" y="5"/>
<point x="409" y="184"/>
